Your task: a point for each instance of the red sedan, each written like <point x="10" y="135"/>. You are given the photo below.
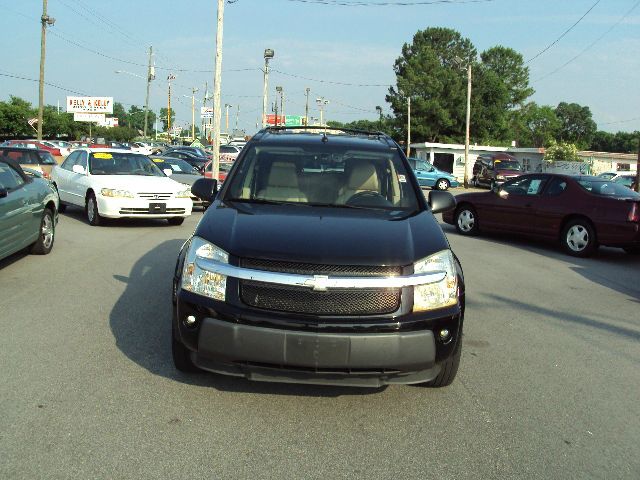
<point x="581" y="212"/>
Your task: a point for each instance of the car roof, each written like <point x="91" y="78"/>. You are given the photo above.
<point x="366" y="140"/>
<point x="39" y="150"/>
<point x="106" y="150"/>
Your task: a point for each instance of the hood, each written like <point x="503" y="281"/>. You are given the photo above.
<point x="137" y="183"/>
<point x="321" y="235"/>
<point x="185" y="178"/>
<point x="508" y="172"/>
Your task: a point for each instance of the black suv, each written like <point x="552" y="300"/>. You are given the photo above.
<point x="320" y="261"/>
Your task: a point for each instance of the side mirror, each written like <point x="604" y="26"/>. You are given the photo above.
<point x="441" y="201"/>
<point x="3" y="192"/>
<point x="432" y="169"/>
<point x="168" y="172"/>
<point x="79" y="169"/>
<point x="502" y="193"/>
<point x="205" y="189"/>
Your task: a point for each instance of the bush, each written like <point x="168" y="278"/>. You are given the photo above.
<point x="566" y="152"/>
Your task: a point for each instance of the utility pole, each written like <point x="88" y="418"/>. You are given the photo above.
<point x="466" y="140"/>
<point x="284" y="118"/>
<point x="215" y="165"/>
<point x="46" y="20"/>
<point x="150" y="76"/>
<point x="408" y="125"/>
<point x="237" y="115"/>
<point x="306" y="107"/>
<point x="638" y="168"/>
<point x="268" y="54"/>
<point x="279" y="92"/>
<point x="274" y="108"/>
<point x="193" y="113"/>
<point x="321" y="102"/>
<point x="169" y="78"/>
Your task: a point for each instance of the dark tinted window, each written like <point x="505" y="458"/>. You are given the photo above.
<point x="9" y="178"/>
<point x="606" y="188"/>
<point x="46" y="158"/>
<point x="556" y="186"/>
<point x="524" y="186"/>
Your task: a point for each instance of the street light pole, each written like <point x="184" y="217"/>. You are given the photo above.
<point x="216" y="92"/>
<point x="150" y="76"/>
<point x="306" y="108"/>
<point x="268" y="54"/>
<point x="468" y="130"/>
<point x="408" y="125"/>
<point x="45" y="20"/>
<point x="169" y="78"/>
<point x="279" y="90"/>
<point x="237" y="115"/>
<point x="226" y="107"/>
<point x="321" y="102"/>
<point x="193" y="113"/>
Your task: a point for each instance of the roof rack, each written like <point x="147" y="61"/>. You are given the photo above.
<point x="327" y="128"/>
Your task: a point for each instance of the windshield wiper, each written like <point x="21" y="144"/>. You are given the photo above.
<point x="264" y="201"/>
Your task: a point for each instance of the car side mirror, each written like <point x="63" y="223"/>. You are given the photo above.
<point x="205" y="189"/>
<point x="432" y="169"/>
<point x="79" y="169"/>
<point x="168" y="172"/>
<point x="3" y="192"/>
<point x="441" y="201"/>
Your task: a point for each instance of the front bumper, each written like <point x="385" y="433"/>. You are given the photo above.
<point x="355" y="359"/>
<point x="111" y="207"/>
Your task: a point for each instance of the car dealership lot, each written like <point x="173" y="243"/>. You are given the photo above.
<point x="548" y="386"/>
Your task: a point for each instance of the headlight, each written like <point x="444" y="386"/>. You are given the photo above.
<point x="499" y="177"/>
<point x="184" y="193"/>
<point x="436" y="295"/>
<point x="198" y="280"/>
<point x="111" y="192"/>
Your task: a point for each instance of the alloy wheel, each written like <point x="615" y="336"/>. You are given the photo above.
<point x="466" y="220"/>
<point x="47" y="231"/>
<point x="577" y="238"/>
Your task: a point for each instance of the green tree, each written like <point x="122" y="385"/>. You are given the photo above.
<point x="619" y="142"/>
<point x="163" y="117"/>
<point x="428" y="70"/>
<point x="576" y="124"/>
<point x="121" y="114"/>
<point x="563" y="151"/>
<point x="509" y="66"/>
<point x="539" y="125"/>
<point x="14" y="116"/>
<point x="489" y="107"/>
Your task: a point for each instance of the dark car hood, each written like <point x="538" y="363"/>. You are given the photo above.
<point x="321" y="235"/>
<point x="508" y="173"/>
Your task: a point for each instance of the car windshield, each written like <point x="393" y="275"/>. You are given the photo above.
<point x="175" y="164"/>
<point x="606" y="188"/>
<point x="47" y="159"/>
<point x="323" y="175"/>
<point x="122" y="163"/>
<point x="507" y="165"/>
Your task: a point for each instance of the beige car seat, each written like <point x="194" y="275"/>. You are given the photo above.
<point x="282" y="184"/>
<point x="362" y="177"/>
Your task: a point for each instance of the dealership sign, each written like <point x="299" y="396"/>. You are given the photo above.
<point x="90" y="104"/>
<point x="88" y="117"/>
<point x="285" y="120"/>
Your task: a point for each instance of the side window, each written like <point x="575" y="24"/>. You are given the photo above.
<point x="424" y="166"/>
<point x="82" y="160"/>
<point x="525" y="186"/>
<point x="70" y="161"/>
<point x="9" y="178"/>
<point x="556" y="187"/>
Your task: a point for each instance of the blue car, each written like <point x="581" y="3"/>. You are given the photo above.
<point x="430" y="176"/>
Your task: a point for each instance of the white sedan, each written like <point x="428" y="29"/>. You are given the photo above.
<point x="119" y="183"/>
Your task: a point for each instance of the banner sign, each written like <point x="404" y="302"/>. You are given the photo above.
<point x="286" y="120"/>
<point x="206" y="112"/>
<point x="88" y="117"/>
<point x="90" y="104"/>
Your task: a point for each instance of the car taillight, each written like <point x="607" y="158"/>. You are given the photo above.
<point x="46" y="175"/>
<point x="634" y="213"/>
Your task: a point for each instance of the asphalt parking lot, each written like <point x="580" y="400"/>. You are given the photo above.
<point x="548" y="386"/>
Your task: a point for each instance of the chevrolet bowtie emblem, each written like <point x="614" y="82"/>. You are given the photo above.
<point x="319" y="283"/>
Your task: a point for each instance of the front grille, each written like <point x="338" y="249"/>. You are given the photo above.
<point x="145" y="211"/>
<point x="155" y="196"/>
<point x="306" y="301"/>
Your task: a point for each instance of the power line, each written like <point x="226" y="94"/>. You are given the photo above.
<point x="329" y="81"/>
<point x="344" y="3"/>
<point x="622" y="121"/>
<point x="591" y="45"/>
<point x="563" y="34"/>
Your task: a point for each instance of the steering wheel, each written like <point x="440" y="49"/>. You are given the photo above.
<point x="368" y="198"/>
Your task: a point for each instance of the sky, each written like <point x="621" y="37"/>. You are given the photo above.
<point x="344" y="53"/>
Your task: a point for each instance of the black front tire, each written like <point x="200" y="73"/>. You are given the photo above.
<point x="46" y="235"/>
<point x="449" y="368"/>
<point x="466" y="220"/>
<point x="175" y="221"/>
<point x="578" y="238"/>
<point x="91" y="210"/>
<point x="181" y="355"/>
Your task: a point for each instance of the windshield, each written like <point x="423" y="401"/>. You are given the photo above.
<point x="47" y="159"/>
<point x="175" y="164"/>
<point x="607" y="188"/>
<point x="122" y="163"/>
<point x="323" y="175"/>
<point x="507" y="165"/>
